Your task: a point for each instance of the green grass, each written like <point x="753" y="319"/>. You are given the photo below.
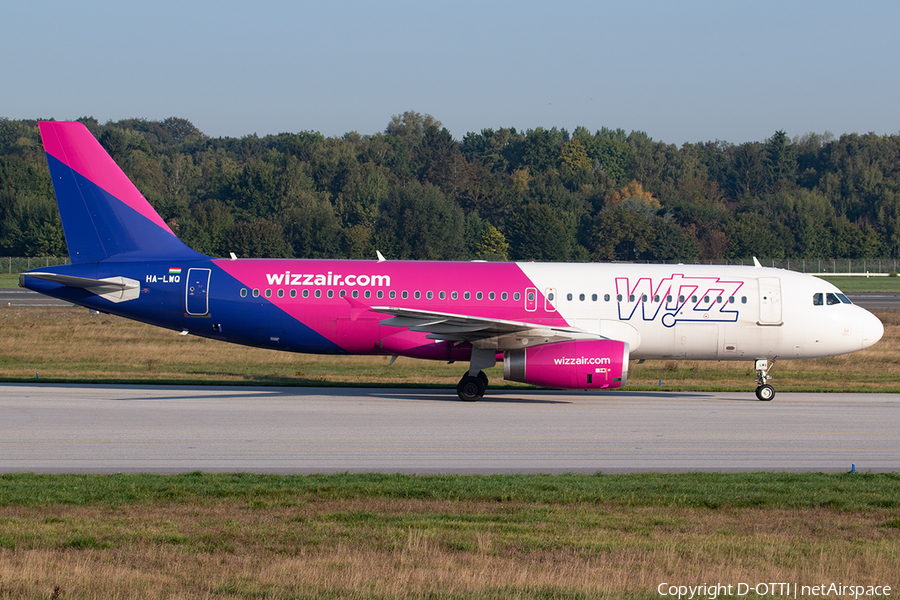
<point x="854" y="285"/>
<point x="706" y="490"/>
<point x="9" y="281"/>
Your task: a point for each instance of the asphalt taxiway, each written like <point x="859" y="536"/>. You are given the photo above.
<point x="169" y="429"/>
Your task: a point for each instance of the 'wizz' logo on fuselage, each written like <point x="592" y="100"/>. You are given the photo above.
<point x="679" y="298"/>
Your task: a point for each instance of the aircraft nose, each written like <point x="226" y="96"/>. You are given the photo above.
<point x="872" y="329"/>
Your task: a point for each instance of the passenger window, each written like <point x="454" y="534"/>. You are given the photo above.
<point x="479" y="295"/>
<point x="392" y="294"/>
<point x="818" y="300"/>
<point x="831" y="299"/>
<point x="342" y="294"/>
<point x="429" y="294"/>
<point x="454" y="295"/>
<point x="569" y="297"/>
<point x="530" y="297"/>
<point x="243" y="292"/>
<point x="593" y="297"/>
<point x="281" y="293"/>
<point x="318" y="293"/>
<point x="256" y="292"/>
<point x="368" y="294"/>
<point x="356" y="293"/>
<point x="504" y="296"/>
<point x="743" y="299"/>
<point x="417" y="294"/>
<point x="466" y="295"/>
<point x="631" y="297"/>
<point x="442" y="295"/>
<point x="331" y="293"/>
<point x="306" y="294"/>
<point x="380" y="294"/>
<point x="491" y="296"/>
<point x="404" y="294"/>
<point x="517" y="296"/>
<point x="643" y="297"/>
<point x="606" y="297"/>
<point x="269" y="294"/>
<point x="294" y="294"/>
<point x="581" y="297"/>
<point x="619" y="297"/>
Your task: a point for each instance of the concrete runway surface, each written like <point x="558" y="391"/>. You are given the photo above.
<point x="169" y="429"/>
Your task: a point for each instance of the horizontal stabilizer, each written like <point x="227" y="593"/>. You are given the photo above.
<point x="115" y="289"/>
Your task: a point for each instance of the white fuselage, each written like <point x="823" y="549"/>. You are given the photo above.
<point x="706" y="312"/>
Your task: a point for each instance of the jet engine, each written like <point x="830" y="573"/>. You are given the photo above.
<point x="574" y="365"/>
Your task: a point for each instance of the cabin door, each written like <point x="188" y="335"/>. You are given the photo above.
<point x="769" y="301"/>
<point x="196" y="299"/>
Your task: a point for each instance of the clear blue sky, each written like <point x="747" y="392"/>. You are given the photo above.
<point x="682" y="71"/>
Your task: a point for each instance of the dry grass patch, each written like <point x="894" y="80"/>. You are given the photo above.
<point x="383" y="548"/>
<point x="72" y="344"/>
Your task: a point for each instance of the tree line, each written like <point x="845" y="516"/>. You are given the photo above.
<point x="414" y="192"/>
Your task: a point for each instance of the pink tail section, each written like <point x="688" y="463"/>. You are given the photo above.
<point x="103" y="213"/>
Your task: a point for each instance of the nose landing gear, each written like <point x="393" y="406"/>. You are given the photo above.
<point x="764" y="391"/>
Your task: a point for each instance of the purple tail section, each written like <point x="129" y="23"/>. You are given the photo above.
<point x="104" y="215"/>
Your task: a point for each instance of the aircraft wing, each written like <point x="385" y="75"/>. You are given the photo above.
<point x="498" y="334"/>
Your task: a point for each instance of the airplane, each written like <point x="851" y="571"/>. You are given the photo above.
<point x="557" y="325"/>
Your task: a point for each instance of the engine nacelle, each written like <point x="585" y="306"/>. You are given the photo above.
<point x="575" y="365"/>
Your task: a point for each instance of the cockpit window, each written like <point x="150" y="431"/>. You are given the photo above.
<point x="844" y="299"/>
<point x="818" y="299"/>
<point x="832" y="299"/>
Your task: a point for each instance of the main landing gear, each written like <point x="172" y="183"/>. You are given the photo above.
<point x="764" y="391"/>
<point x="474" y="382"/>
<point x="472" y="388"/>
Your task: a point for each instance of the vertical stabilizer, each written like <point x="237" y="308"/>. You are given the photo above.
<point x="103" y="213"/>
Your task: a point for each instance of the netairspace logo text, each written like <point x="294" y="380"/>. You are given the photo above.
<point x="780" y="589"/>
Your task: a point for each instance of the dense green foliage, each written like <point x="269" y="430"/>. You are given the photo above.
<point x="413" y="192"/>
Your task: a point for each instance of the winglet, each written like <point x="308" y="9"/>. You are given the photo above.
<point x="756" y="262"/>
<point x="380" y="256"/>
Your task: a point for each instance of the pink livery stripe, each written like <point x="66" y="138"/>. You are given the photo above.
<point x="349" y="276"/>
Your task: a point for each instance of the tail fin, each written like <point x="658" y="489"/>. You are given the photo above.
<point x="103" y="213"/>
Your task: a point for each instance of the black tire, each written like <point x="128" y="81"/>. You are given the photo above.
<point x="470" y="389"/>
<point x="765" y="393"/>
<point x="483" y="378"/>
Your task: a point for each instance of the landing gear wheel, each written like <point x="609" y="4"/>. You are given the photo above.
<point x="483" y="378"/>
<point x="765" y="392"/>
<point x="471" y="389"/>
